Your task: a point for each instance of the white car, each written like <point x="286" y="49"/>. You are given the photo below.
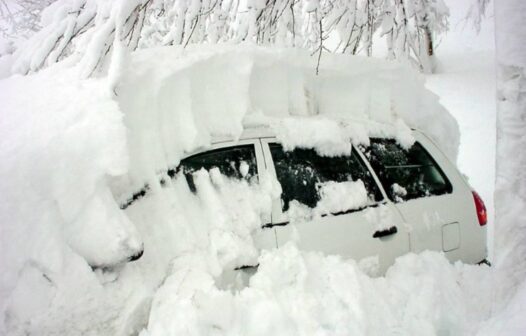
<point x="417" y="195"/>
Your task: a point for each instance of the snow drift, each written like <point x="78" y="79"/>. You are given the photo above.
<point x="77" y="149"/>
<point x="186" y="97"/>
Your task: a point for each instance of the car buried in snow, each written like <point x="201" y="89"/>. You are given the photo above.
<point x="382" y="200"/>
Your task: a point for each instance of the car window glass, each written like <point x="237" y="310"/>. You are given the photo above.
<point x="235" y="162"/>
<point x="300" y="170"/>
<point x="406" y="174"/>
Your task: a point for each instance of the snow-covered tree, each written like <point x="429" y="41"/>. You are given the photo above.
<point x="411" y="26"/>
<point x="510" y="188"/>
<point x="477" y="12"/>
<point x="87" y="29"/>
<point x="21" y="17"/>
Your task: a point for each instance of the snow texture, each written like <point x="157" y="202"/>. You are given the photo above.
<point x="256" y="87"/>
<point x="71" y="158"/>
<point x="86" y="31"/>
<point x="338" y="197"/>
<point x="510" y="186"/>
<point x="295" y="293"/>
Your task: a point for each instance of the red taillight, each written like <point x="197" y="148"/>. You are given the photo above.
<point x="482" y="214"/>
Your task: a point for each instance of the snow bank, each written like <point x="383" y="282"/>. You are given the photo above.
<point x="70" y="148"/>
<point x="295" y="293"/>
<point x="352" y="98"/>
<point x="61" y="141"/>
<point x="510" y="183"/>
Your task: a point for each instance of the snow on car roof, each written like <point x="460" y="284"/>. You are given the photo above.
<point x="176" y="100"/>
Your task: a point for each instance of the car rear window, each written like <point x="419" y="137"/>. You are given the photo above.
<point x="301" y="170"/>
<point x="235" y="162"/>
<point x="406" y="174"/>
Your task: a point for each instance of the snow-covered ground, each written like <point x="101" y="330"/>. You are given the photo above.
<point x="79" y="148"/>
<point x="190" y="242"/>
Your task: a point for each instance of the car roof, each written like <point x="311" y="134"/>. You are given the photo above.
<point x="256" y="132"/>
<point x="247" y="134"/>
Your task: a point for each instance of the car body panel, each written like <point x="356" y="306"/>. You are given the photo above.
<point x="446" y="223"/>
<point x="431" y="217"/>
<point x="263" y="239"/>
<point x="349" y="235"/>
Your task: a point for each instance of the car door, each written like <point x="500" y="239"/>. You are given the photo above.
<point x="433" y="199"/>
<point x="241" y="159"/>
<point x="350" y="225"/>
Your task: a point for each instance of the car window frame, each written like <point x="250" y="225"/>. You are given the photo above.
<point x="278" y="216"/>
<point x="435" y="162"/>
<point x="260" y="160"/>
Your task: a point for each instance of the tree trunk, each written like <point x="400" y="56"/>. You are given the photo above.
<point x="429" y="55"/>
<point x="429" y="41"/>
<point x="370" y="27"/>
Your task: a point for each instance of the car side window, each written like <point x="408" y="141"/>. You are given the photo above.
<point x="236" y="162"/>
<point x="406" y="174"/>
<point x="299" y="171"/>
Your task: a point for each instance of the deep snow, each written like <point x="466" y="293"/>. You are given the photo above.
<point x="69" y="159"/>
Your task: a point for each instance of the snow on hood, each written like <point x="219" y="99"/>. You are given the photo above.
<point x="71" y="147"/>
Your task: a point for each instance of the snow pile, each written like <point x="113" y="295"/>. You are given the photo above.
<point x="295" y="293"/>
<point x="398" y="192"/>
<point x="510" y="185"/>
<point x="182" y="100"/>
<point x="335" y="135"/>
<point x="233" y="211"/>
<point x="76" y="146"/>
<point x="335" y="198"/>
<point x="341" y="196"/>
<point x="61" y="141"/>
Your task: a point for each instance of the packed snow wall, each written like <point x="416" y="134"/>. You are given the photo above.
<point x="183" y="98"/>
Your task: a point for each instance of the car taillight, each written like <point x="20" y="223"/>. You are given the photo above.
<point x="482" y="214"/>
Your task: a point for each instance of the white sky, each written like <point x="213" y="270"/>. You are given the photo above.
<point x="462" y="36"/>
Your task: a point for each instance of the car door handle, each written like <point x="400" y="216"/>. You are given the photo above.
<point x="387" y="232"/>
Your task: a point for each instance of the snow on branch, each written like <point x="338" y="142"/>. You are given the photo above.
<point x="82" y="28"/>
<point x="410" y="27"/>
<point x="476" y="13"/>
<point x="87" y="29"/>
